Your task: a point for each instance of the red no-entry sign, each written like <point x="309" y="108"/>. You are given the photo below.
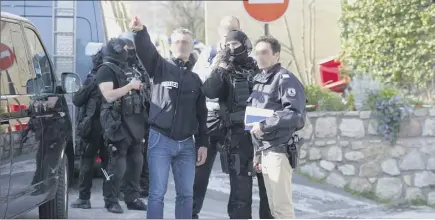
<point x="7" y="57"/>
<point x="266" y="10"/>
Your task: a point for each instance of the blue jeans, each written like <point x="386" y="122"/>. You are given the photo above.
<point x="181" y="155"/>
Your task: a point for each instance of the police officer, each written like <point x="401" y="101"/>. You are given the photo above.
<point x="209" y="59"/>
<point x="88" y="102"/>
<point x="279" y="90"/>
<point x="231" y="83"/>
<point x="134" y="63"/>
<point x="123" y="119"/>
<point x="203" y="68"/>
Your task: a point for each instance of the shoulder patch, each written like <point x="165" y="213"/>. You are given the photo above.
<point x="291" y="92"/>
<point x="285" y="76"/>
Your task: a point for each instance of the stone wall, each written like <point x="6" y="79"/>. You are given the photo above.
<point x="344" y="150"/>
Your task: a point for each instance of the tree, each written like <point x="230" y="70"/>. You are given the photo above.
<point x="187" y="14"/>
<point x="121" y="15"/>
<point x="306" y="69"/>
<point x="392" y="40"/>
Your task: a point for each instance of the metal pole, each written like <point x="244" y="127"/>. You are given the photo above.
<point x="266" y="29"/>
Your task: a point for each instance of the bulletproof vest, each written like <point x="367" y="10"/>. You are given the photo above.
<point x="239" y="91"/>
<point x="135" y="102"/>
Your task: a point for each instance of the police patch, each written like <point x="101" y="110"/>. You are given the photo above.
<point x="291" y="92"/>
<point x="285" y="76"/>
<point x="170" y="84"/>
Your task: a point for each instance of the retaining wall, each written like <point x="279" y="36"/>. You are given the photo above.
<point x="343" y="149"/>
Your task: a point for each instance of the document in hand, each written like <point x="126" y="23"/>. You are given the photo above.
<point x="253" y="114"/>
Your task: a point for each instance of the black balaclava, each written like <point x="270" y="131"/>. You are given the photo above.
<point x="114" y="52"/>
<point x="131" y="60"/>
<point x="128" y="38"/>
<point x="240" y="54"/>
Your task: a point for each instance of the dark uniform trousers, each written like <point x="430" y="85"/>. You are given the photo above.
<point x="87" y="161"/>
<point x="202" y="175"/>
<point x="145" y="174"/>
<point x="121" y="157"/>
<point x="240" y="201"/>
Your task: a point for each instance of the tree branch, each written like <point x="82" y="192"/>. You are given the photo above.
<point x="292" y="52"/>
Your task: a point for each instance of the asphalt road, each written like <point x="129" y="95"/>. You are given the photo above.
<point x="311" y="200"/>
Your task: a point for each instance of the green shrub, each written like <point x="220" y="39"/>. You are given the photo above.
<point x="350" y="103"/>
<point x="392" y="40"/>
<point x="374" y="97"/>
<point x="325" y="98"/>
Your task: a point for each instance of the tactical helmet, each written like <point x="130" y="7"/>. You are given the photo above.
<point x="241" y="37"/>
<point x="128" y="38"/>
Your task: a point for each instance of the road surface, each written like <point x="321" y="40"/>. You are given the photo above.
<point x="311" y="200"/>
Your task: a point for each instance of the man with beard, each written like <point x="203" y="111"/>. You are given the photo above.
<point x="123" y="119"/>
<point x="231" y="83"/>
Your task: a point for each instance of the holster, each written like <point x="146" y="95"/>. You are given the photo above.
<point x="293" y="150"/>
<point x="127" y="105"/>
<point x="229" y="161"/>
<point x="235" y="163"/>
<point x="293" y="155"/>
<point x="224" y="156"/>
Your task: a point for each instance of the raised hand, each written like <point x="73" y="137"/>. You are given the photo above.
<point x="136" y="24"/>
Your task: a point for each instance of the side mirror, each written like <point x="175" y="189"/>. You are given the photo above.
<point x="30" y="89"/>
<point x="70" y="82"/>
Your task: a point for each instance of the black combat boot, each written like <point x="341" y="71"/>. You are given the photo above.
<point x="121" y="196"/>
<point x="137" y="204"/>
<point x="114" y="208"/>
<point x="81" y="204"/>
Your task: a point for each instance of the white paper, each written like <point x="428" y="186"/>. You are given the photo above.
<point x="253" y="114"/>
<point x="266" y="2"/>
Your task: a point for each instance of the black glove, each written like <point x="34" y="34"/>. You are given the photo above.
<point x="225" y="55"/>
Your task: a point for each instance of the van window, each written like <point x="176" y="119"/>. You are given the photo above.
<point x="41" y="62"/>
<point x="14" y="66"/>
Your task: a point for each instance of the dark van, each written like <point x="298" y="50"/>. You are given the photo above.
<point x="35" y="131"/>
<point x="66" y="31"/>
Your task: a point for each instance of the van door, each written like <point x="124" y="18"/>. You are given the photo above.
<point x="6" y="61"/>
<point x="52" y="110"/>
<point x="5" y="160"/>
<point x="24" y="180"/>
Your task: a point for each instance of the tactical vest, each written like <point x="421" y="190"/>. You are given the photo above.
<point x="239" y="91"/>
<point x="133" y="103"/>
